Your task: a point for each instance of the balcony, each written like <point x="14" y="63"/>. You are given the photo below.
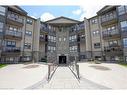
<point x="11" y="51"/>
<point x="9" y="34"/>
<point x="11" y="19"/>
<point x="109" y="20"/>
<point x="111" y="34"/>
<point x="81" y="39"/>
<point x="44" y="30"/>
<point x="43" y="39"/>
<point x="113" y="50"/>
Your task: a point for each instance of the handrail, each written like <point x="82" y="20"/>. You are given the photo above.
<point x="51" y="69"/>
<point x="75" y="69"/>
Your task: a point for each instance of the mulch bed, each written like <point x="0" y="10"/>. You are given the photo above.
<point x="31" y="66"/>
<point x="100" y="67"/>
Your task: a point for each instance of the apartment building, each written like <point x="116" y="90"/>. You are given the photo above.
<point x="61" y="40"/>
<point x="13" y="27"/>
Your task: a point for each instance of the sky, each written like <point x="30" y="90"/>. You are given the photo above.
<point x="52" y="11"/>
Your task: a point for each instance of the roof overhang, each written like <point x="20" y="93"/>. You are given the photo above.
<point x="106" y="9"/>
<point x="62" y="21"/>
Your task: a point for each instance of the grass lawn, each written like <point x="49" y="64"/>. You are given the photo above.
<point x="3" y="65"/>
<point x="124" y="64"/>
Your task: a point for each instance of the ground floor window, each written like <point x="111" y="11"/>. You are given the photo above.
<point x="126" y="58"/>
<point x="26" y="58"/>
<point x="82" y="56"/>
<point x="125" y="42"/>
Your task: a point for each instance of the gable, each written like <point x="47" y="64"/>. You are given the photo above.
<point x="62" y="20"/>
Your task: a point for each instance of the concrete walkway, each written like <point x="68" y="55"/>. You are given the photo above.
<point x="21" y="76"/>
<point x="63" y="78"/>
<point x="113" y="76"/>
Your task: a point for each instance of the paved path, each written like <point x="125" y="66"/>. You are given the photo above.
<point x="63" y="78"/>
<point x="110" y="75"/>
<point x="21" y="76"/>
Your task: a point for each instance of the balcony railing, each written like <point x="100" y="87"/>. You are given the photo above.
<point x="44" y="29"/>
<point x="113" y="49"/>
<point x="81" y="39"/>
<point x="43" y="39"/>
<point x="108" y="18"/>
<point x="14" y="18"/>
<point x="111" y="34"/>
<point x="11" y="49"/>
<point x="13" y="33"/>
<point x="77" y="28"/>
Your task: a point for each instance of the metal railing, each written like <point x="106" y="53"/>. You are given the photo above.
<point x="74" y="67"/>
<point x="14" y="18"/>
<point x="13" y="33"/>
<point x="11" y="49"/>
<point x="51" y="69"/>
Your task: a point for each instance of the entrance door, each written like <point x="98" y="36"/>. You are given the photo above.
<point x="62" y="59"/>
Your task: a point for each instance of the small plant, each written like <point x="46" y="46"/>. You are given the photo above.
<point x="97" y="62"/>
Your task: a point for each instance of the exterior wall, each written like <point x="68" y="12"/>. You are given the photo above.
<point x="88" y="39"/>
<point x="36" y="36"/>
<point x="96" y="38"/>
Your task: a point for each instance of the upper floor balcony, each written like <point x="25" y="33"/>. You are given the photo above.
<point x="10" y="34"/>
<point x="113" y="49"/>
<point x="81" y="38"/>
<point x="113" y="34"/>
<point x="11" y="50"/>
<point x="44" y="30"/>
<point x="43" y="39"/>
<point x="14" y="19"/>
<point x="109" y="18"/>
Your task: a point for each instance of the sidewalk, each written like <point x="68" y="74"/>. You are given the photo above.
<point x="112" y="76"/>
<point x="20" y="76"/>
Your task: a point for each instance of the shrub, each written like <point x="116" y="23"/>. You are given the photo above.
<point x="97" y="62"/>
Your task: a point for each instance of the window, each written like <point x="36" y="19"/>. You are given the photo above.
<point x="96" y="33"/>
<point x="59" y="39"/>
<point x="96" y="45"/>
<point x="125" y="42"/>
<point x="51" y="48"/>
<point x="121" y="10"/>
<point x="94" y="21"/>
<point x="64" y="39"/>
<point x="41" y="36"/>
<point x="10" y="43"/>
<point x="126" y="58"/>
<point x="1" y="26"/>
<point x="73" y="38"/>
<point x="29" y="21"/>
<point x="27" y="45"/>
<point x="126" y="8"/>
<point x="49" y="37"/>
<point x="123" y="25"/>
<point x="54" y="39"/>
<point x="73" y="49"/>
<point x="112" y="43"/>
<point x="29" y="33"/>
<point x="2" y="11"/>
